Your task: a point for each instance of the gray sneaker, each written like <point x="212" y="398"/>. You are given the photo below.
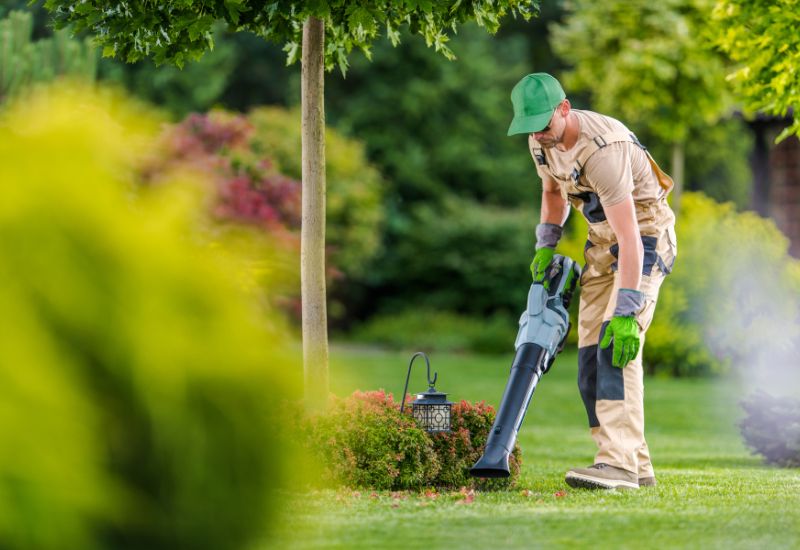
<point x="647" y="481"/>
<point x="602" y="476"/>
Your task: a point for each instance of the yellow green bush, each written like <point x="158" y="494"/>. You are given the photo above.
<point x="733" y="296"/>
<point x="139" y="373"/>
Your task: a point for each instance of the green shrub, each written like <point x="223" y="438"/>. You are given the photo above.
<point x="458" y="256"/>
<point x="364" y="441"/>
<point x="138" y="378"/>
<point x="429" y="330"/>
<point x="771" y="427"/>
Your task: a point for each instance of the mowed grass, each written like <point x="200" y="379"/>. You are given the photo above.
<point x="712" y="492"/>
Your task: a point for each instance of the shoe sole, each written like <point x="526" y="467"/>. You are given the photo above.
<point x="581" y="481"/>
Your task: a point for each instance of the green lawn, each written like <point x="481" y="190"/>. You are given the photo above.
<point x="712" y="493"/>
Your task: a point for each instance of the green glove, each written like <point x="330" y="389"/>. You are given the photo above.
<point x="625" y="333"/>
<point x="541" y="261"/>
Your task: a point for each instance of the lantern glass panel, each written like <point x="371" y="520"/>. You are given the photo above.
<point x="433" y="418"/>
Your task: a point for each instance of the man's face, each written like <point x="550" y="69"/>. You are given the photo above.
<point x="552" y="134"/>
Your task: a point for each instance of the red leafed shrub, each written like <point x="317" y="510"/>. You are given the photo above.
<point x="249" y="188"/>
<point x="459" y="449"/>
<point x="364" y="441"/>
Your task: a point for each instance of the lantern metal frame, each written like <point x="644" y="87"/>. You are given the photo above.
<point x="430" y="408"/>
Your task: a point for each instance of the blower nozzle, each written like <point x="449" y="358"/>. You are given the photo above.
<point x="543" y="329"/>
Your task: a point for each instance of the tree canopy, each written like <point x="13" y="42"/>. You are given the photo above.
<point x="762" y="37"/>
<point x="181" y="30"/>
<point x="645" y="62"/>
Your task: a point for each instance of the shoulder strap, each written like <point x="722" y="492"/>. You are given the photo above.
<point x="601" y="141"/>
<point x="538" y="154"/>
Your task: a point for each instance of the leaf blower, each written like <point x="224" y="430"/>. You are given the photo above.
<point x="543" y="329"/>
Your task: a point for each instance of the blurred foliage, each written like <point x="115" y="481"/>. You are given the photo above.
<point x="248" y="190"/>
<point x="429" y="330"/>
<point x="41" y="26"/>
<point x="733" y="297"/>
<point x="25" y="62"/>
<point x="717" y="160"/>
<point x="365" y="441"/>
<point x="437" y="131"/>
<point x="460" y="257"/>
<point x="645" y="63"/>
<point x="183" y="32"/>
<point x="255" y="163"/>
<point x="761" y="37"/>
<point x="649" y="65"/>
<point x="355" y="214"/>
<point x="436" y="127"/>
<point x="771" y="427"/>
<point x="139" y="379"/>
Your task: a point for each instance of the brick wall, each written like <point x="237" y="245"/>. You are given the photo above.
<point x="784" y="190"/>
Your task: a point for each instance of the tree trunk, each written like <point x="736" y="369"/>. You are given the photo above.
<point x="312" y="238"/>
<point x="678" y="165"/>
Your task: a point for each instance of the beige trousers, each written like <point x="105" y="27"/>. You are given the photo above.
<point x="613" y="397"/>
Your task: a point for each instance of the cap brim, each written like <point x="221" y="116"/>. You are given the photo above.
<point x="529" y="124"/>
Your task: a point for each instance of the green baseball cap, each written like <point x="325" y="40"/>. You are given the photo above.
<point x="534" y="98"/>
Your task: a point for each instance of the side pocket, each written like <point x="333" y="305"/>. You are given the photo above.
<point x="645" y="316"/>
<point x="670" y="251"/>
<point x="673" y="241"/>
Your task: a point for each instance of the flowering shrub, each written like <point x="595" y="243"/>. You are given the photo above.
<point x="771" y="428"/>
<point x="364" y="441"/>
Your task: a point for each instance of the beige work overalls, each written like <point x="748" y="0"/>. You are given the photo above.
<point x="614" y="397"/>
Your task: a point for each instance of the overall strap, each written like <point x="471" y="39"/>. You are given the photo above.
<point x="603" y="140"/>
<point x="597" y="143"/>
<point x="538" y="154"/>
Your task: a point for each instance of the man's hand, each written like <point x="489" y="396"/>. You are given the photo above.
<point x="624" y="330"/>
<point x="541" y="261"/>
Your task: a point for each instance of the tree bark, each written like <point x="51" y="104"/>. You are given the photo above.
<point x="312" y="237"/>
<point x="678" y="168"/>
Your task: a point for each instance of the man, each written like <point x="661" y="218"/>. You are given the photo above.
<point x="594" y="163"/>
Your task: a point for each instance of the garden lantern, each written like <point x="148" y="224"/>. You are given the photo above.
<point x="431" y="408"/>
